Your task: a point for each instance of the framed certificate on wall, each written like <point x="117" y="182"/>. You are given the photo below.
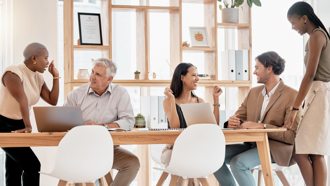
<point x="90" y="31"/>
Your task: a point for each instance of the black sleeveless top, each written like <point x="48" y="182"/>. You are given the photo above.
<point x="183" y="123"/>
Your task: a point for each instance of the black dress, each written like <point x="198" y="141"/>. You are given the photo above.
<point x="183" y="123"/>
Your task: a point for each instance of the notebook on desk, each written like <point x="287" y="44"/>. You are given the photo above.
<point x="57" y="119"/>
<point x="197" y="113"/>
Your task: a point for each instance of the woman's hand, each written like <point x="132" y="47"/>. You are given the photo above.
<point x="217" y="91"/>
<point x="289" y="122"/>
<point x="53" y="70"/>
<point x="25" y="130"/>
<point x="169" y="93"/>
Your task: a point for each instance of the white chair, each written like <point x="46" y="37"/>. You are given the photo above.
<point x="156" y="152"/>
<point x="84" y="155"/>
<point x="198" y="152"/>
<point x="278" y="170"/>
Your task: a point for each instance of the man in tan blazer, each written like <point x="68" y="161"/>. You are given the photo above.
<point x="265" y="106"/>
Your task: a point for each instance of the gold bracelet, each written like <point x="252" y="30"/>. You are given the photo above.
<point x="56" y="77"/>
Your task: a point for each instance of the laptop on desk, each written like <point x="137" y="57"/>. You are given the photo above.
<point x="57" y="119"/>
<point x="197" y="113"/>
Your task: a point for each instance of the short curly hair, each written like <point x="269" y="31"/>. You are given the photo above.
<point x="272" y="59"/>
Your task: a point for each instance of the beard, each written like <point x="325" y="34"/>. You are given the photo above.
<point x="264" y="78"/>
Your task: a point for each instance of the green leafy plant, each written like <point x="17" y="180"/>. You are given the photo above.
<point x="237" y="3"/>
<point x="136" y="72"/>
<point x="139" y="116"/>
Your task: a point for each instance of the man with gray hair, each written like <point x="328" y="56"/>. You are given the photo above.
<point x="106" y="104"/>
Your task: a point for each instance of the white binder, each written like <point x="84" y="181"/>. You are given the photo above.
<point x="153" y="111"/>
<point x="239" y="64"/>
<point x="228" y="65"/>
<point x="245" y="65"/>
<point x="242" y="64"/>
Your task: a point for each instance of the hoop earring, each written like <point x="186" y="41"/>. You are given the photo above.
<point x="34" y="62"/>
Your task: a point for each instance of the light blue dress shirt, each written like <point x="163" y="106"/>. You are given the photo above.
<point x="113" y="106"/>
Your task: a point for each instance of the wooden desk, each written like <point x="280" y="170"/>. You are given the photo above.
<point x="152" y="137"/>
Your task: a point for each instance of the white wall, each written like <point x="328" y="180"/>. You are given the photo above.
<point x="36" y="21"/>
<point x="323" y="12"/>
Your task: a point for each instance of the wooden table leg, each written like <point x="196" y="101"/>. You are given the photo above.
<point x="264" y="155"/>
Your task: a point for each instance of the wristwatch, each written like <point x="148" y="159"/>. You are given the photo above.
<point x="292" y="108"/>
<point x="265" y="126"/>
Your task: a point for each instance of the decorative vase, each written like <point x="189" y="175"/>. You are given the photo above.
<point x="83" y="74"/>
<point x="140" y="122"/>
<point x="137" y="76"/>
<point x="151" y="75"/>
<point x="229" y="15"/>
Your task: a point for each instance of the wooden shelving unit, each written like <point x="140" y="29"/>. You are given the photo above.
<point x="174" y="9"/>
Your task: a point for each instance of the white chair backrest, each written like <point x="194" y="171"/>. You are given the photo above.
<point x="198" y="151"/>
<point x="84" y="154"/>
<point x="156" y="152"/>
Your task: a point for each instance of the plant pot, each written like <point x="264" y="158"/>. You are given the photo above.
<point x="229" y="15"/>
<point x="83" y="74"/>
<point x="136" y="76"/>
<point x="140" y="122"/>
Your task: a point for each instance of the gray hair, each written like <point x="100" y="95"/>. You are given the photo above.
<point x="33" y="49"/>
<point x="111" y="66"/>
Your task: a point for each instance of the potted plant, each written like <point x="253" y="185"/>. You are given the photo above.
<point x="140" y="122"/>
<point x="137" y="75"/>
<point x="230" y="13"/>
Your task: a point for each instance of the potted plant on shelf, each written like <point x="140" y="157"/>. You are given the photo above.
<point x="140" y="122"/>
<point x="137" y="75"/>
<point x="230" y="13"/>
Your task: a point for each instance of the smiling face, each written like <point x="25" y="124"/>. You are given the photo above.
<point x="261" y="72"/>
<point x="190" y="80"/>
<point x="298" y="23"/>
<point x="41" y="61"/>
<point x="99" y="80"/>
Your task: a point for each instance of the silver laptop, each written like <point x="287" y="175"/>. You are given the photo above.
<point x="197" y="113"/>
<point x="57" y="119"/>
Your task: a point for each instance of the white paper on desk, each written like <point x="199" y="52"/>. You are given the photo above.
<point x="143" y="129"/>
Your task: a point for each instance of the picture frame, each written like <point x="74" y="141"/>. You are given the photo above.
<point x="198" y="36"/>
<point x="90" y="30"/>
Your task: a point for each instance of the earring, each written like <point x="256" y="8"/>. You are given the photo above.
<point x="305" y="22"/>
<point x="34" y="62"/>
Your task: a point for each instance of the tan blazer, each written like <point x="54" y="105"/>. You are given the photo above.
<point x="277" y="110"/>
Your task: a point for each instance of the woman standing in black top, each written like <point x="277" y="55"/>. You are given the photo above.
<point x="184" y="81"/>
